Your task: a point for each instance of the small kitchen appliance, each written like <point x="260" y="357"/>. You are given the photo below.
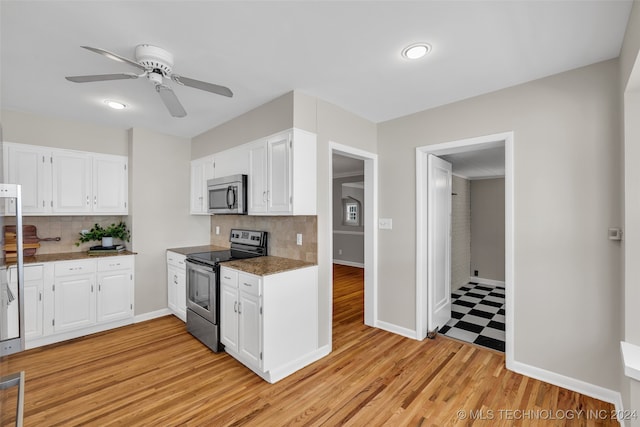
<point x="227" y="195"/>
<point x="203" y="283"/>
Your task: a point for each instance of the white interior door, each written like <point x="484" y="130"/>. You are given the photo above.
<point x="439" y="246"/>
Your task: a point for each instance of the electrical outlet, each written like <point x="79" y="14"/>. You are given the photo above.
<point x="217" y="229"/>
<point x="475" y="273"/>
<point x="385" y="223"/>
<point x="299" y="239"/>
<point x="339" y="251"/>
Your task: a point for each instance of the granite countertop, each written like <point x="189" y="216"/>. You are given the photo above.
<point x="67" y="256"/>
<point x="194" y="249"/>
<point x="266" y="265"/>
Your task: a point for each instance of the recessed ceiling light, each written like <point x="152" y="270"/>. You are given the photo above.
<point x="115" y="104"/>
<point x="416" y="50"/>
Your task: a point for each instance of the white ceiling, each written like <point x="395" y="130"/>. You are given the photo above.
<point x="347" y="53"/>
<point x="478" y="164"/>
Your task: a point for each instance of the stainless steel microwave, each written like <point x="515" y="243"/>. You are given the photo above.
<point x="227" y="195"/>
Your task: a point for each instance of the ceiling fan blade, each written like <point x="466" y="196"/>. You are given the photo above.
<point x="101" y="77"/>
<point x="114" y="56"/>
<point x="209" y="87"/>
<point x="170" y="101"/>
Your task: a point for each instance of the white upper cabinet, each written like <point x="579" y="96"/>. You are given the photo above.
<point x="56" y="181"/>
<point x="72" y="183"/>
<point x="110" y="182"/>
<point x="201" y="171"/>
<point x="29" y="166"/>
<point x="234" y="161"/>
<point x="282" y="174"/>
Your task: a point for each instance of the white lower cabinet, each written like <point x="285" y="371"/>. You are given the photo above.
<point x="270" y="323"/>
<point x="33" y="298"/>
<point x="177" y="285"/>
<point x="69" y="299"/>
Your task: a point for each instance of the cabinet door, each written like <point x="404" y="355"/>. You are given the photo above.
<point x="181" y="295"/>
<point x="74" y="302"/>
<point x="33" y="308"/>
<point x="250" y="336"/>
<point x="257" y="179"/>
<point x="229" y="317"/>
<point x="110" y="184"/>
<point x="279" y="169"/>
<point x="201" y="171"/>
<point x="114" y="290"/>
<point x="31" y="168"/>
<point x="72" y="182"/>
<point x="232" y="162"/>
<point x="172" y="286"/>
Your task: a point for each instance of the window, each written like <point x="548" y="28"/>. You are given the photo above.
<point x="351" y="211"/>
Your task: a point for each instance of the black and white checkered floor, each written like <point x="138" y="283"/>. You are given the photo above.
<point x="477" y="315"/>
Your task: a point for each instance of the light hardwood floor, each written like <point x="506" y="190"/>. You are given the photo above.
<point x="155" y="374"/>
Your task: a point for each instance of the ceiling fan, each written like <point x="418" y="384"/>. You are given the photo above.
<point x="156" y="65"/>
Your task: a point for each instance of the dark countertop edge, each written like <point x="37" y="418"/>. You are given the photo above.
<point x="65" y="256"/>
<point x="194" y="249"/>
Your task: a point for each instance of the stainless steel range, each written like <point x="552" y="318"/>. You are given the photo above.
<point x="203" y="283"/>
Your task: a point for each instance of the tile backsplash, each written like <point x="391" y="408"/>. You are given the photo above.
<point x="67" y="228"/>
<point x="282" y="233"/>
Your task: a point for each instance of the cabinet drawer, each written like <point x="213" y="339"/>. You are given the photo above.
<point x="176" y="259"/>
<point x="115" y="263"/>
<point x="65" y="268"/>
<point x="228" y="277"/>
<point x="248" y="283"/>
<point x="31" y="272"/>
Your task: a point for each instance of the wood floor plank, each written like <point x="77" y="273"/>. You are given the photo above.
<point x="155" y="374"/>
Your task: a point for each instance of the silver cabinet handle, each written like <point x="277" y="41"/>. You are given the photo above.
<point x="227" y="277"/>
<point x="175" y="279"/>
<point x="235" y="306"/>
<point x="91" y="288"/>
<point x="87" y="200"/>
<point x="246" y="284"/>
<point x="95" y="200"/>
<point x="239" y="307"/>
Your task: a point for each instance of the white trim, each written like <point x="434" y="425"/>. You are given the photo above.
<point x="353" y="233"/>
<point x="76" y="333"/>
<point x="348" y="263"/>
<point x="572" y="384"/>
<point x="488" y="282"/>
<point x="151" y="315"/>
<point x="359" y="185"/>
<point x="399" y="330"/>
<point x="470" y="144"/>
<point x="631" y="359"/>
<point x="370" y="227"/>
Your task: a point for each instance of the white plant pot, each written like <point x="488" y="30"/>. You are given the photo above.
<point x="107" y="241"/>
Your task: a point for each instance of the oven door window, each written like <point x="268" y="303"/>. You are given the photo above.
<point x="223" y="197"/>
<point x="200" y="285"/>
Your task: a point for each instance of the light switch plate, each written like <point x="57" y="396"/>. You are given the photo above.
<point x="385" y="223"/>
<point x="299" y="239"/>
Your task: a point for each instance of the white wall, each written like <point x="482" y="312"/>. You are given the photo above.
<point x="159" y="217"/>
<point x="567" y="155"/>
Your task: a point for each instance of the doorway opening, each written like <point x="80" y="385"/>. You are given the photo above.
<point x="353" y="235"/>
<point x="490" y="158"/>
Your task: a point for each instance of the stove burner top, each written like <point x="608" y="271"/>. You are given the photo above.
<point x="244" y="244"/>
<point x="214" y="257"/>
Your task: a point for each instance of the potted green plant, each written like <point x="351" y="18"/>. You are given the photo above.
<point x="106" y="234"/>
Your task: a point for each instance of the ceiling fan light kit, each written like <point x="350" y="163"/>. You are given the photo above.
<point x="157" y="65"/>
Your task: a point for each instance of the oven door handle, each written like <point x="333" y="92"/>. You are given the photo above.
<point x="195" y="265"/>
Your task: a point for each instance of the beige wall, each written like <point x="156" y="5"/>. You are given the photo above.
<point x="272" y="117"/>
<point x="26" y="128"/>
<point x="566" y="160"/>
<point x="159" y="180"/>
<point x="460" y="232"/>
<point x="487" y="228"/>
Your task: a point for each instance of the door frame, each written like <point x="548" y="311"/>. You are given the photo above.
<point x="370" y="214"/>
<point x="459" y="146"/>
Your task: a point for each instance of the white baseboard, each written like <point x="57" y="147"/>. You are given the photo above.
<point x="488" y="282"/>
<point x="348" y="263"/>
<point x="151" y="315"/>
<point x="572" y="384"/>
<point x="390" y="327"/>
